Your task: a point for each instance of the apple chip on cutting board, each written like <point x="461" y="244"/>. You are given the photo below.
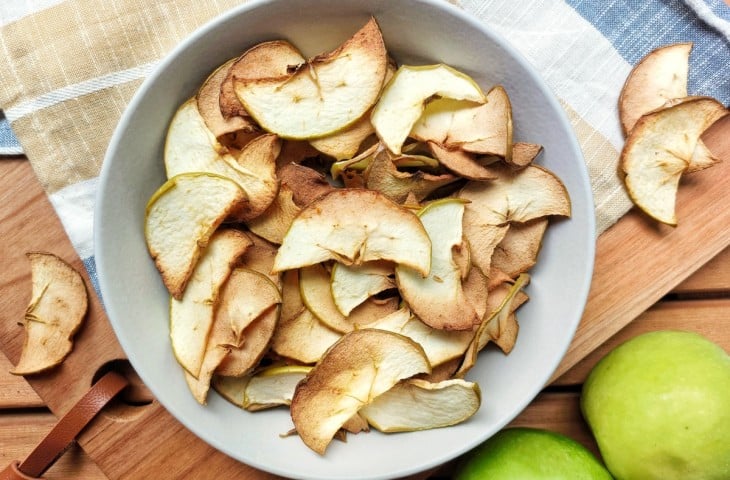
<point x="56" y="311"/>
<point x="342" y="236"/>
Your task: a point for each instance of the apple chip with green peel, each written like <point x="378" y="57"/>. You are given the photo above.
<point x="273" y="387"/>
<point x="270" y="59"/>
<point x="660" y="77"/>
<point x="404" y="99"/>
<point x="334" y="228"/>
<point x="417" y="404"/>
<point x="231" y="388"/>
<point x="56" y="311"/>
<point x="438" y="299"/>
<point x="181" y="216"/>
<point x="324" y="95"/>
<point x="659" y="150"/>
<point x="352" y="285"/>
<point x="191" y="147"/>
<point x="356" y="370"/>
<point x="191" y="317"/>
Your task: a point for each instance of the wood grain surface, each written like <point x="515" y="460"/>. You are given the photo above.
<point x="637" y="265"/>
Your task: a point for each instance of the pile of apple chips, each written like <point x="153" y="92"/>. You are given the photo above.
<point x="344" y="236"/>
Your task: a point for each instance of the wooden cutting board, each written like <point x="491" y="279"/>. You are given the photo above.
<point x="637" y="263"/>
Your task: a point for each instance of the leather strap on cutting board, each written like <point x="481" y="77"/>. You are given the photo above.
<point x="66" y="430"/>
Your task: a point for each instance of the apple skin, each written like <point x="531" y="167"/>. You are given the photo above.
<point x="530" y="454"/>
<point x="659" y="408"/>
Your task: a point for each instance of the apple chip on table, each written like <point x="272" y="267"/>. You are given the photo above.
<point x="663" y="125"/>
<point x="342" y="235"/>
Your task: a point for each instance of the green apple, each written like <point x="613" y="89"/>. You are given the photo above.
<point x="529" y="453"/>
<point x="659" y="407"/>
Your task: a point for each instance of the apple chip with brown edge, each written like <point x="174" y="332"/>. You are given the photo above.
<point x="273" y="224"/>
<point x="515" y="196"/>
<point x="324" y="95"/>
<point x="192" y="317"/>
<point x="297" y="323"/>
<point x="659" y="150"/>
<point x="334" y="228"/>
<point x="362" y="365"/>
<point x="181" y="216"/>
<point x="306" y="184"/>
<point x="438" y="299"/>
<point x="316" y="292"/>
<point x="461" y="162"/>
<point x="383" y="176"/>
<point x="56" y="311"/>
<point x="208" y="102"/>
<point x="518" y="250"/>
<point x="270" y="59"/>
<point x="659" y="77"/>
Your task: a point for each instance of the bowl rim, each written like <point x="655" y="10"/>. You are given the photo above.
<point x="581" y="295"/>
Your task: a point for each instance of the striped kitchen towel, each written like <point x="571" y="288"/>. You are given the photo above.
<point x="71" y="66"/>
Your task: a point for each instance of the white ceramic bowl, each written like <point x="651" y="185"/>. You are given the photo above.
<point x="415" y="32"/>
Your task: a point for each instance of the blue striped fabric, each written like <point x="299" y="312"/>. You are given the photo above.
<point x="636" y="27"/>
<point x="9" y="144"/>
<point x="719" y="8"/>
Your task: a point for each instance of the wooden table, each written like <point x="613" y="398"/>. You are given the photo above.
<point x="661" y="283"/>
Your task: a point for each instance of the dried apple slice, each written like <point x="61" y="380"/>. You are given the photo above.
<point x="56" y="310"/>
<point x="440" y="346"/>
<point x="515" y="196"/>
<point x="300" y="335"/>
<point x="324" y="95"/>
<point x="315" y="289"/>
<point x="384" y="177"/>
<point x="523" y="154"/>
<point x="659" y="77"/>
<point x="438" y="299"/>
<point x="208" y="103"/>
<point x="460" y="162"/>
<point x="355" y="226"/>
<point x="306" y="183"/>
<point x="357" y="369"/>
<point x="484" y="129"/>
<point x="231" y="388"/>
<point x="260" y="258"/>
<point x="417" y="404"/>
<point x="191" y="317"/>
<point x="352" y="285"/>
<point x="245" y="296"/>
<point x="191" y="147"/>
<point x="404" y="98"/>
<point x="252" y="345"/>
<point x="277" y="219"/>
<point x="345" y="144"/>
<point x="501" y="304"/>
<point x="518" y="250"/>
<point x="181" y="216"/>
<point x="659" y="150"/>
<point x="270" y="59"/>
<point x="273" y="386"/>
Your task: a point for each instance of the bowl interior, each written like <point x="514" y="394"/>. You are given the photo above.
<point x="416" y="32"/>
